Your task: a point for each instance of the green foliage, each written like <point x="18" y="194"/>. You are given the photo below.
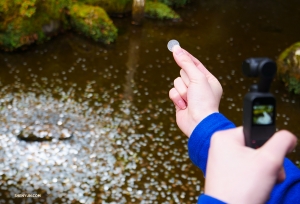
<point x="160" y="11"/>
<point x="93" y="22"/>
<point x="28" y="8"/>
<point x="55" y="8"/>
<point x="294" y="85"/>
<point x="111" y="6"/>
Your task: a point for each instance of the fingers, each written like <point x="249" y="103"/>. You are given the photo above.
<point x="198" y="64"/>
<point x="184" y="77"/>
<point x="279" y="145"/>
<point x="186" y="63"/>
<point x="212" y="80"/>
<point x="194" y="70"/>
<point x="177" y="99"/>
<point x="238" y="135"/>
<point x="281" y="175"/>
<point x="181" y="88"/>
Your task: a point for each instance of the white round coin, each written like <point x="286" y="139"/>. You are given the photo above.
<point x="171" y="44"/>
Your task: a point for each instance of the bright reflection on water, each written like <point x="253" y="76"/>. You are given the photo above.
<point x="126" y="147"/>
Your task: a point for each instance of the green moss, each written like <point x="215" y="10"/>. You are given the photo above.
<point x="289" y="67"/>
<point x="28" y="8"/>
<point x="160" y="11"/>
<point x="93" y="22"/>
<point x="294" y="85"/>
<point x="55" y="9"/>
<point x="22" y="31"/>
<point x="24" y="20"/>
<point x="284" y="57"/>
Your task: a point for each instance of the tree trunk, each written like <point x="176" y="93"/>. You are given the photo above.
<point x="137" y="11"/>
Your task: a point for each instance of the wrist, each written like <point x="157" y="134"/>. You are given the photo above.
<point x="198" y="118"/>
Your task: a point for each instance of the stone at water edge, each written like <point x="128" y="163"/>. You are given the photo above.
<point x="289" y="67"/>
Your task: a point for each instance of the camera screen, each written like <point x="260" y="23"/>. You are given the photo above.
<point x="263" y="114"/>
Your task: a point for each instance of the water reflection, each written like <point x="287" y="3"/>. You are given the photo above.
<point x="133" y="62"/>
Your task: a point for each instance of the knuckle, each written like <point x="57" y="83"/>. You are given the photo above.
<point x="177" y="81"/>
<point x="173" y="93"/>
<point x="271" y="160"/>
<point x="185" y="60"/>
<point x="198" y="78"/>
<point x="182" y="73"/>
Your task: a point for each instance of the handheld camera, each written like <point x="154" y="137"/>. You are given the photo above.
<point x="259" y="111"/>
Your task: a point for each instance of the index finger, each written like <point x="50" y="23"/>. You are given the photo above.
<point x="187" y="64"/>
<point x="198" y="64"/>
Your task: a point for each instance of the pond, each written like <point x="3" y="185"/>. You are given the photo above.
<point x="112" y="101"/>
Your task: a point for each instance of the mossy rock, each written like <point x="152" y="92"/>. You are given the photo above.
<point x="160" y="11"/>
<point x="24" y="31"/>
<point x="29" y="21"/>
<point x="93" y="22"/>
<point x="289" y="67"/>
<point x="23" y="22"/>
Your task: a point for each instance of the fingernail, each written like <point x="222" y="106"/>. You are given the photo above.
<point x="177" y="50"/>
<point x="181" y="104"/>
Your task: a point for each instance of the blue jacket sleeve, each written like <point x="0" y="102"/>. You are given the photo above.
<point x="205" y="199"/>
<point x="198" y="145"/>
<point x="199" y="141"/>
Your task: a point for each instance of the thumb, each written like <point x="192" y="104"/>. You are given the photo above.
<point x="281" y="175"/>
<point x="279" y="145"/>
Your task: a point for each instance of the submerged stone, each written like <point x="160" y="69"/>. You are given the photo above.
<point x="44" y="133"/>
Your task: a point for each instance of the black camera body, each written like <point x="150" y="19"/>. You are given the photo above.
<point x="259" y="111"/>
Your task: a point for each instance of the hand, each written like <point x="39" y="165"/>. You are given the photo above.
<point x="239" y="174"/>
<point x="196" y="94"/>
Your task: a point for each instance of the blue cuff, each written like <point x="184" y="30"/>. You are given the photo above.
<point x="205" y="199"/>
<point x="199" y="141"/>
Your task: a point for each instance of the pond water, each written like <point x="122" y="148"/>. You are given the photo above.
<point x="125" y="145"/>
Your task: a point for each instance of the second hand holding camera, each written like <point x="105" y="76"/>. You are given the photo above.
<point x="259" y="111"/>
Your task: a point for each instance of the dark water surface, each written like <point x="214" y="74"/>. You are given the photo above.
<point x="126" y="147"/>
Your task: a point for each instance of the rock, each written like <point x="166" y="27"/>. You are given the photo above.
<point x="160" y="11"/>
<point x="289" y="67"/>
<point x="26" y="22"/>
<point x="44" y="133"/>
<point x="93" y="22"/>
<point x="22" y="27"/>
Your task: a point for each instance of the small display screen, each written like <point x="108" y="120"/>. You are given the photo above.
<point x="263" y="114"/>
